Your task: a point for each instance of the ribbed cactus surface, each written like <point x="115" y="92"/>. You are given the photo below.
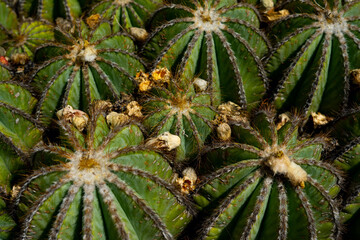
<point x="346" y="131"/>
<point x="183" y="109"/>
<point x="84" y="65"/>
<point x="179" y="119"/>
<point x="216" y="40"/>
<point x="5" y="73"/>
<point x="126" y="13"/>
<point x="104" y="184"/>
<point x="6" y="222"/>
<point x="317" y="46"/>
<point x="269" y="184"/>
<point x="21" y="36"/>
<point x="351" y="215"/>
<point x="19" y="132"/>
<point x="52" y="9"/>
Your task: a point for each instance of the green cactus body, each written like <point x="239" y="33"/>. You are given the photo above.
<point x="21" y="37"/>
<point x="19" y="132"/>
<point x="5" y="73"/>
<point x="126" y="13"/>
<point x="215" y="40"/>
<point x="346" y="130"/>
<point x="317" y="47"/>
<point x="102" y="185"/>
<point x="86" y="65"/>
<point x="351" y="216"/>
<point x="51" y="9"/>
<point x="6" y="222"/>
<point x="269" y="184"/>
<point x="181" y="111"/>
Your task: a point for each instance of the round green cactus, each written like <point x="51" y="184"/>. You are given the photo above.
<point x="85" y="65"/>
<point x="218" y="41"/>
<point x="19" y="132"/>
<point x="181" y="110"/>
<point x="269" y="184"/>
<point x="105" y="184"/>
<point x="317" y="46"/>
<point x="21" y="36"/>
<point x="126" y="13"/>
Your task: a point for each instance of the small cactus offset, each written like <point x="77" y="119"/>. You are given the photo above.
<point x="21" y="36"/>
<point x="219" y="41"/>
<point x="103" y="184"/>
<point x="181" y="110"/>
<point x="317" y="47"/>
<point x="126" y="13"/>
<point x="269" y="184"/>
<point x="88" y="63"/>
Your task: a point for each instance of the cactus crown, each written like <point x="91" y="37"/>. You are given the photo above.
<point x="179" y="106"/>
<point x="102" y="170"/>
<point x="269" y="168"/>
<point x="315" y="54"/>
<point x="198" y="34"/>
<point x="22" y="36"/>
<point x="90" y="63"/>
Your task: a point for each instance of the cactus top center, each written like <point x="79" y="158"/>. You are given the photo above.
<point x="180" y="104"/>
<point x="333" y="23"/>
<point x="279" y="162"/>
<point x="20" y="40"/>
<point x="82" y="52"/>
<point x="87" y="163"/>
<point x="88" y="167"/>
<point x="207" y="19"/>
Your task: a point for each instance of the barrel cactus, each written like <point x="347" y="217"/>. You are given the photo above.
<point x="182" y="110"/>
<point x="317" y="46"/>
<point x="269" y="184"/>
<point x="85" y="65"/>
<point x="21" y="36"/>
<point x="19" y="132"/>
<point x="218" y="41"/>
<point x="103" y="184"/>
<point x="126" y="13"/>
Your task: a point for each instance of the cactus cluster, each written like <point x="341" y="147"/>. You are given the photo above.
<point x="179" y="119"/>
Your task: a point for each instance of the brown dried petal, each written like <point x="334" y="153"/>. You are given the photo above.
<point x="140" y="34"/>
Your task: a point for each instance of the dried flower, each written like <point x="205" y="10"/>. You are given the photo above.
<point x="139" y="34"/>
<point x="188" y="181"/>
<point x="165" y="141"/>
<point x="78" y="118"/>
<point x="115" y="119"/>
